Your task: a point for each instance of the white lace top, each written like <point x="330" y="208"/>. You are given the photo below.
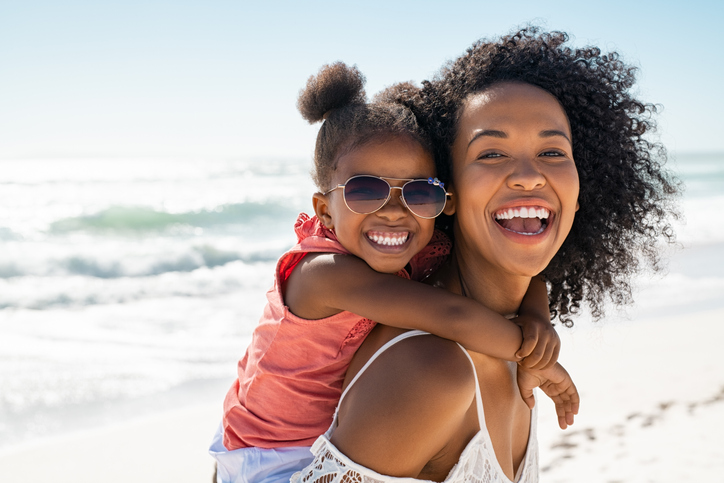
<point x="477" y="463"/>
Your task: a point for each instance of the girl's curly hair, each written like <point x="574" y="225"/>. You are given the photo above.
<point x="336" y="95"/>
<point x="626" y="196"/>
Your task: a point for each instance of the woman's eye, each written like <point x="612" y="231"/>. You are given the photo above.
<point x="490" y="156"/>
<point x="552" y="153"/>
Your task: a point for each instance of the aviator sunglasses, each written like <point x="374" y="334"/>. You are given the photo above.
<point x="365" y="194"/>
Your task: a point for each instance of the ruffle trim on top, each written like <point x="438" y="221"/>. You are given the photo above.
<point x="307" y="226"/>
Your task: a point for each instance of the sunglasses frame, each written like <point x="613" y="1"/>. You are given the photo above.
<point x="432" y="181"/>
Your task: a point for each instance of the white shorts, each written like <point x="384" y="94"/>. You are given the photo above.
<point x="257" y="465"/>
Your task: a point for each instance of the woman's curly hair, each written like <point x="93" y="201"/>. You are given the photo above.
<point x="336" y="95"/>
<point x="626" y="196"/>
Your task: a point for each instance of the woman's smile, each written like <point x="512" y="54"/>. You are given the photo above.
<point x="527" y="219"/>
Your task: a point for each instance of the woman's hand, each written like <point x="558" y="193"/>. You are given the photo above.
<point x="557" y="384"/>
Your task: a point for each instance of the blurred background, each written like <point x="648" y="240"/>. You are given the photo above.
<point x="152" y="163"/>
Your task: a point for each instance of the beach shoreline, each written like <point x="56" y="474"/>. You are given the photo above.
<point x="652" y="410"/>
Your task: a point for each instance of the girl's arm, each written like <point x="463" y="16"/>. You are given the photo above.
<point x="541" y="344"/>
<point x="325" y="284"/>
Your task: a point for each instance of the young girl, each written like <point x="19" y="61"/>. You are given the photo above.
<point x="373" y="231"/>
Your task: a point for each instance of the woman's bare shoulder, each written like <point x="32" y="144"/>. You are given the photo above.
<point x="406" y="406"/>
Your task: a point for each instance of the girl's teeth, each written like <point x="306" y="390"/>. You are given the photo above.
<point x="387" y="239"/>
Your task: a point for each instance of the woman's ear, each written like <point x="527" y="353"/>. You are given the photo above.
<point x="320" y="202"/>
<point x="450" y="203"/>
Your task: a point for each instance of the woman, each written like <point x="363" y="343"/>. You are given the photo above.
<point x="532" y="132"/>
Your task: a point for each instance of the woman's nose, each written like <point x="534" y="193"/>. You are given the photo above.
<point x="526" y="175"/>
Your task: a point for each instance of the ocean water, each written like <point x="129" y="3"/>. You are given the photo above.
<point x="129" y="286"/>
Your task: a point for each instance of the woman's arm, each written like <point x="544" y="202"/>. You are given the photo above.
<point x="326" y="284"/>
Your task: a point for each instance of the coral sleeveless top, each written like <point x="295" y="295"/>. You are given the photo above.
<point x="477" y="463"/>
<point x="290" y="379"/>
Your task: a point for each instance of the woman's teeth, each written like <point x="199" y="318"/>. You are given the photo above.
<point x="390" y="239"/>
<point x="524" y="220"/>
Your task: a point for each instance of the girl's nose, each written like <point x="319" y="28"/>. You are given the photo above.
<point x="395" y="208"/>
<point x="526" y="175"/>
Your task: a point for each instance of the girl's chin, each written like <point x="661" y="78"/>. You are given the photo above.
<point x="386" y="268"/>
<point x="386" y="260"/>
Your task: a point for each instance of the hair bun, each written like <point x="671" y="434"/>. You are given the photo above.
<point x="335" y="85"/>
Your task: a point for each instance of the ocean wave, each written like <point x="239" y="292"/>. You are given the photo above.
<point x="117" y="264"/>
<point x="205" y="256"/>
<point x="52" y="292"/>
<point x="144" y="219"/>
<point x="6" y="234"/>
<point x="699" y="225"/>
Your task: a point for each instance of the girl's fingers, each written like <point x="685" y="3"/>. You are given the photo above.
<point x="526" y="348"/>
<point x="529" y="400"/>
<point x="555" y="352"/>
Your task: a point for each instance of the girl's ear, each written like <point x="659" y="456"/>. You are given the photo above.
<point x="320" y="202"/>
<point x="450" y="203"/>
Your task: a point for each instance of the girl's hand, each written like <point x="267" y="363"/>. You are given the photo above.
<point x="557" y="384"/>
<point x="541" y="344"/>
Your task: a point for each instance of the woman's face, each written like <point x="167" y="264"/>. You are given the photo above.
<point x="514" y="184"/>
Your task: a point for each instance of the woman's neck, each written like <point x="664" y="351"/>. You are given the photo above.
<point x="475" y="278"/>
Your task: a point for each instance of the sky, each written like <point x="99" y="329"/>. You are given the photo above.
<point x="214" y="78"/>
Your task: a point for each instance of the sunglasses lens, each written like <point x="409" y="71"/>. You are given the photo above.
<point x="424" y="199"/>
<point x="366" y="194"/>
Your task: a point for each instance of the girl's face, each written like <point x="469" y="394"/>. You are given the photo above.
<point x="515" y="184"/>
<point x="388" y="238"/>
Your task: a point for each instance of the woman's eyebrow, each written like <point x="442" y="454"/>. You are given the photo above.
<point x="553" y="132"/>
<point x="502" y="135"/>
<point x="488" y="132"/>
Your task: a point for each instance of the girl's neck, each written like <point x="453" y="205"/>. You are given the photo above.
<point x="475" y="278"/>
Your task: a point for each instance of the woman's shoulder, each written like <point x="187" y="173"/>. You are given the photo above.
<point x="411" y="400"/>
<point x="426" y="359"/>
<point x="432" y="361"/>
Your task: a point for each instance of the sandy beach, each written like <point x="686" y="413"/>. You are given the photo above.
<point x="652" y="410"/>
<point x="129" y="452"/>
<point x="652" y="403"/>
